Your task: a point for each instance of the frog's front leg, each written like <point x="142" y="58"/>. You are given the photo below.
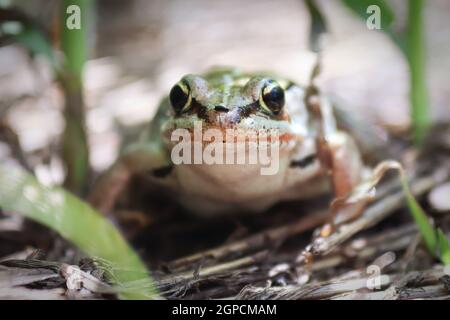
<point x="341" y="158"/>
<point x="347" y="172"/>
<point x="138" y="158"/>
<point x="345" y="164"/>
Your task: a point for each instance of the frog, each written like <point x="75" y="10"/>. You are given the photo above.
<point x="232" y="99"/>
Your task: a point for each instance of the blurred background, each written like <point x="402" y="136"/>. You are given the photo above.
<point x="138" y="49"/>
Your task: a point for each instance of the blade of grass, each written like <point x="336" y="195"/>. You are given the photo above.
<point x="77" y="222"/>
<point x="360" y="8"/>
<point x="444" y="250"/>
<point x="435" y="240"/>
<point x="27" y="32"/>
<point x="75" y="147"/>
<point x="387" y="17"/>
<point x="412" y="44"/>
<point x="416" y="58"/>
<point x="421" y="219"/>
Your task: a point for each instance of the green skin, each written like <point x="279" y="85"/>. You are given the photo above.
<point x="229" y="99"/>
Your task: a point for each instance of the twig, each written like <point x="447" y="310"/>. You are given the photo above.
<point x="355" y="288"/>
<point x="30" y="294"/>
<point x="256" y="241"/>
<point x="223" y="267"/>
<point x="392" y="240"/>
<point x="375" y="213"/>
<point x="410" y="251"/>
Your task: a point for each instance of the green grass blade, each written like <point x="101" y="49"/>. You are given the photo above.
<point x="387" y="17"/>
<point x="359" y="7"/>
<point x="421" y="219"/>
<point x="22" y="29"/>
<point x="74" y="44"/>
<point x="444" y="250"/>
<point x="416" y="58"/>
<point x="412" y="44"/>
<point x="77" y="222"/>
<point x="36" y="42"/>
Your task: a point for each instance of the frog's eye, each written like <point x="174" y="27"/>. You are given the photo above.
<point x="272" y="98"/>
<point x="180" y="97"/>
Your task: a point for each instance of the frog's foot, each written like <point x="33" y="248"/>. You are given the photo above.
<point x="336" y="232"/>
<point x="350" y="207"/>
<point x="107" y="189"/>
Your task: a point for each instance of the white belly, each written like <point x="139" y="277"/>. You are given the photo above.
<point x="210" y="190"/>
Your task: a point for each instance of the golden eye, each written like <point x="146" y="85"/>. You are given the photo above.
<point x="180" y="97"/>
<point x="272" y="98"/>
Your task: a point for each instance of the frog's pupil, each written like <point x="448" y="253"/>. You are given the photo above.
<point x="274" y="99"/>
<point x="178" y="98"/>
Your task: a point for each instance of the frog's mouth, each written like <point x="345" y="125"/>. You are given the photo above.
<point x="259" y="132"/>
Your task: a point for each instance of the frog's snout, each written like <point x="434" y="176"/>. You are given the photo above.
<point x="222" y="116"/>
<point x="232" y="117"/>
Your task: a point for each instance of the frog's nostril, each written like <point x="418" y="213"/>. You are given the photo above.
<point x="221" y="109"/>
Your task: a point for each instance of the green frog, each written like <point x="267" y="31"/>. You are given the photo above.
<point x="251" y="105"/>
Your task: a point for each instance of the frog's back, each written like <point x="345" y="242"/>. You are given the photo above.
<point x="219" y="77"/>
